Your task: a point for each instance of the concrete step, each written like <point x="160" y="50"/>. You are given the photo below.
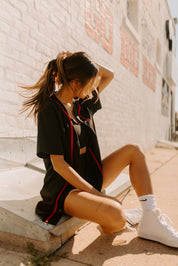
<point x="167" y="144"/>
<point x="19" y="194"/>
<point x="19" y="150"/>
<point x="20" y="183"/>
<point x="36" y="164"/>
<point x="7" y="164"/>
<point x="120" y="184"/>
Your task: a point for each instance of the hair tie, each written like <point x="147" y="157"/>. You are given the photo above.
<point x="64" y="55"/>
<point x="60" y="65"/>
<point x="54" y="73"/>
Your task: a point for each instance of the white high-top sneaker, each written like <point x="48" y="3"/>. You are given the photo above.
<point x="153" y="226"/>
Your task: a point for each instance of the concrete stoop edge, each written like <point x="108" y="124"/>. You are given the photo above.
<point x="19" y="225"/>
<point x="21" y="178"/>
<point x="167" y="144"/>
<point x="18" y="222"/>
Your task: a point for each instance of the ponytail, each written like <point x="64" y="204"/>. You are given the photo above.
<point x="62" y="79"/>
<point x="65" y="68"/>
<point x="44" y="88"/>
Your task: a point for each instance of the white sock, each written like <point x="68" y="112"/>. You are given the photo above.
<point x="148" y="202"/>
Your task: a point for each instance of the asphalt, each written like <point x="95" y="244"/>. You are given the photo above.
<point x="90" y="247"/>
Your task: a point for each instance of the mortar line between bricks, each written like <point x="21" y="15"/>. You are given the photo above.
<point x="164" y="163"/>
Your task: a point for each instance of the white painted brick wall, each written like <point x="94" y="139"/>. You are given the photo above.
<point x="32" y="32"/>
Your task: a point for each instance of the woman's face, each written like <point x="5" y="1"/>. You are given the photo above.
<point x="93" y="83"/>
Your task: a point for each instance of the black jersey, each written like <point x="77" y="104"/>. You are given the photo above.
<point x="57" y="134"/>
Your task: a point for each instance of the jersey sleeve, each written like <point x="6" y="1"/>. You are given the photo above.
<point x="49" y="137"/>
<point x="94" y="104"/>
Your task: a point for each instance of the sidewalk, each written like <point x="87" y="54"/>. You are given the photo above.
<point x="89" y="247"/>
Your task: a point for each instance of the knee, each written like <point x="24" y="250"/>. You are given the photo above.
<point x="136" y="151"/>
<point x="116" y="220"/>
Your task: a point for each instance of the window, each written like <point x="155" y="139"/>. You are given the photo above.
<point x="132" y="12"/>
<point x="171" y="35"/>
<point x="165" y="99"/>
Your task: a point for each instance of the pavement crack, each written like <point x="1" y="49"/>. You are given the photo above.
<point x="164" y="163"/>
<point x="79" y="262"/>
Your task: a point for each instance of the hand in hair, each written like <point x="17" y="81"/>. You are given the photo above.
<point x="64" y="54"/>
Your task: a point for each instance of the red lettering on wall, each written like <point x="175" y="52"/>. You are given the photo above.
<point x="149" y="74"/>
<point x="99" y="23"/>
<point x="92" y="20"/>
<point x="106" y="29"/>
<point x="129" y="53"/>
<point x="124" y="49"/>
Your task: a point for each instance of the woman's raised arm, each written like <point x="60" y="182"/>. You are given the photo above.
<point x="106" y="77"/>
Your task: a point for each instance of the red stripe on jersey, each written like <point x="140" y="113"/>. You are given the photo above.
<point x="85" y="118"/>
<point x="72" y="143"/>
<point x="99" y="166"/>
<point x="55" y="208"/>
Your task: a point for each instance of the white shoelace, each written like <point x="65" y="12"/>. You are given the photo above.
<point x="133" y="215"/>
<point x="128" y="226"/>
<point x="163" y="217"/>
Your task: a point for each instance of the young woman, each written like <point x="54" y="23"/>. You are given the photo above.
<point x="67" y="142"/>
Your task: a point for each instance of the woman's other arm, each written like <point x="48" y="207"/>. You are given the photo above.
<point x="70" y="175"/>
<point x="105" y="77"/>
<point x="73" y="178"/>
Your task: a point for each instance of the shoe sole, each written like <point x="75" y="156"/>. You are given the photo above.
<point x="147" y="237"/>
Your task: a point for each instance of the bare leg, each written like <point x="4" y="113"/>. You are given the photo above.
<point x="99" y="209"/>
<point x="128" y="155"/>
<point x="103" y="210"/>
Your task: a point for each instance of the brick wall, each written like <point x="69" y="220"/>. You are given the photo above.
<point x="32" y="32"/>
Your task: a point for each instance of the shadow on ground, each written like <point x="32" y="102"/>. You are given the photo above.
<point x="107" y="247"/>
